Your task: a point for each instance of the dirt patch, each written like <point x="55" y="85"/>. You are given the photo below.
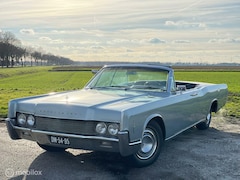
<point x="2" y="120"/>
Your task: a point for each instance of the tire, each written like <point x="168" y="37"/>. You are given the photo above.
<point x="152" y="143"/>
<point x="205" y="124"/>
<point x="51" y="148"/>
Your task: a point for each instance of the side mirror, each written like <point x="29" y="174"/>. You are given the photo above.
<point x="94" y="71"/>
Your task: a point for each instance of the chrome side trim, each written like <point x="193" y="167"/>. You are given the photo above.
<point x="130" y="143"/>
<point x="21" y="128"/>
<point x="184" y="130"/>
<point x="135" y="143"/>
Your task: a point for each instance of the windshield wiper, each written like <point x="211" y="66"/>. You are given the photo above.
<point x="146" y="87"/>
<point x="122" y="87"/>
<point x="118" y="86"/>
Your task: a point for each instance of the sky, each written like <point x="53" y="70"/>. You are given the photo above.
<point x="196" y="31"/>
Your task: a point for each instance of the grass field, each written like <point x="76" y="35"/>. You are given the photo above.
<point x="29" y="81"/>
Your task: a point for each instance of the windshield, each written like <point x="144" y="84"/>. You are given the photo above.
<point x="130" y="78"/>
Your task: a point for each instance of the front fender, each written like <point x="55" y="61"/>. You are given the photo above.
<point x="137" y="125"/>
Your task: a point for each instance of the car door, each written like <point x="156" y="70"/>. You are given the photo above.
<point x="182" y="111"/>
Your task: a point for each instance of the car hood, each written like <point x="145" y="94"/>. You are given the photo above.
<point x="86" y="104"/>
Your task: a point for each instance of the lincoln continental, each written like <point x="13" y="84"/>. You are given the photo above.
<point x="129" y="109"/>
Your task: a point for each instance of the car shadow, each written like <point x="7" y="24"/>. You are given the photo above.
<point x="86" y="165"/>
<point x="174" y="161"/>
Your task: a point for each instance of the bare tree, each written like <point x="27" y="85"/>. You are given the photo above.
<point x="12" y="53"/>
<point x="36" y="56"/>
<point x="8" y="47"/>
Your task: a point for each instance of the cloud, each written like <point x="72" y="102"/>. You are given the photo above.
<point x="181" y="41"/>
<point x="171" y="23"/>
<point x="51" y="41"/>
<point x="185" y="24"/>
<point x="226" y="40"/>
<point x="45" y="39"/>
<point x="27" y="31"/>
<point x="57" y="41"/>
<point x="202" y="25"/>
<point x="156" y="41"/>
<point x="97" y="47"/>
<point x="59" y="32"/>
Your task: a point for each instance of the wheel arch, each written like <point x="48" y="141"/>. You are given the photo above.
<point x="214" y="106"/>
<point x="158" y="118"/>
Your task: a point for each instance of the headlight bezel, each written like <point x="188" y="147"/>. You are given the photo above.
<point x="31" y="120"/>
<point x="25" y="120"/>
<point x="101" y="128"/>
<point x="107" y="129"/>
<point x="113" y="129"/>
<point x="21" y="119"/>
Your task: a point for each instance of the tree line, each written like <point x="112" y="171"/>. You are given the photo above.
<point x="12" y="53"/>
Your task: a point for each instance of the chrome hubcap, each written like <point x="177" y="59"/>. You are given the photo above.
<point x="149" y="144"/>
<point x="208" y="119"/>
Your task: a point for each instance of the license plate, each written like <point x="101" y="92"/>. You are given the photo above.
<point x="59" y="140"/>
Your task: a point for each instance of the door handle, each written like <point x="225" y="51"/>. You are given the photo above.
<point x="194" y="94"/>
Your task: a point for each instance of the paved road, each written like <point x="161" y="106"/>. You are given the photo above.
<point x="212" y="154"/>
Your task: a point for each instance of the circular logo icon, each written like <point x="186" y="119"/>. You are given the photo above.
<point x="9" y="172"/>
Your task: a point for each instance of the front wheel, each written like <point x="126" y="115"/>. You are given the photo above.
<point x="152" y="142"/>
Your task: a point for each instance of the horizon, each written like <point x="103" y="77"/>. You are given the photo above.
<point x="190" y="31"/>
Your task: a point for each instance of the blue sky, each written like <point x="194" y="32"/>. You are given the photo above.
<point x="122" y="30"/>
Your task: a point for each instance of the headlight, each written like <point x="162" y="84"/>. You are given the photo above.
<point x="30" y="120"/>
<point x="101" y="128"/>
<point x="21" y="119"/>
<point x="113" y="129"/>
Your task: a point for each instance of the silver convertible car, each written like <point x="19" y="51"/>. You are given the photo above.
<point x="126" y="108"/>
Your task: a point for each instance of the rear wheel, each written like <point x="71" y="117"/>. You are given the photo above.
<point x="51" y="148"/>
<point x="205" y="124"/>
<point x="152" y="142"/>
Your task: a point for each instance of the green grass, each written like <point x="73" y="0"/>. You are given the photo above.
<point x="29" y="81"/>
<point x="9" y="72"/>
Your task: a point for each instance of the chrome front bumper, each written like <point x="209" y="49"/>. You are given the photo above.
<point x="97" y="143"/>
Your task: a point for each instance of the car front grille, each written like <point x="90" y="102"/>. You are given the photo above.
<point x="66" y="126"/>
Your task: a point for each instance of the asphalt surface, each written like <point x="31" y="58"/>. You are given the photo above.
<point x="194" y="154"/>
